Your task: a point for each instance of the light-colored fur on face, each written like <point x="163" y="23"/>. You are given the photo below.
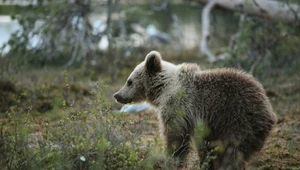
<point x="134" y="89"/>
<point x="137" y="87"/>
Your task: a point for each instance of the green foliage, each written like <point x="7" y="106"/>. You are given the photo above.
<point x="201" y="131"/>
<point x="181" y="93"/>
<point x="81" y="140"/>
<point x="262" y="45"/>
<point x="68" y="137"/>
<point x="156" y="159"/>
<point x="122" y="157"/>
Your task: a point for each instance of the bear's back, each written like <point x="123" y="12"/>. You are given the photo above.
<point x="231" y="102"/>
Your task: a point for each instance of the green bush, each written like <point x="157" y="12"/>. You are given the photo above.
<point x="93" y="138"/>
<point x="261" y="46"/>
<point x="81" y="140"/>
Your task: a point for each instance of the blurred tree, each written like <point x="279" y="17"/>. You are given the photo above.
<point x="282" y="11"/>
<point x="260" y="45"/>
<point x="61" y="32"/>
<point x="52" y="31"/>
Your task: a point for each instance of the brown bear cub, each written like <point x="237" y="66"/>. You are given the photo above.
<point x="230" y="103"/>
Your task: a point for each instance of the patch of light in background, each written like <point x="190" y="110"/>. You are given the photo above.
<point x="7" y="27"/>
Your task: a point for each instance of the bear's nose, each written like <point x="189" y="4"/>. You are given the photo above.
<point x="116" y="96"/>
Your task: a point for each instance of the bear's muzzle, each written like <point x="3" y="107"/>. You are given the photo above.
<point x="120" y="99"/>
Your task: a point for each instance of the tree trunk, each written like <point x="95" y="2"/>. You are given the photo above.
<point x="205" y="30"/>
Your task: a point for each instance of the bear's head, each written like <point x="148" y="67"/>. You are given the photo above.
<point x="137" y="84"/>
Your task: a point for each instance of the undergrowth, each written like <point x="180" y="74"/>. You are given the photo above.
<point x="50" y="119"/>
<point x="94" y="138"/>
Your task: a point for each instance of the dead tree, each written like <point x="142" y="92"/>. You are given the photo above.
<point x="273" y="10"/>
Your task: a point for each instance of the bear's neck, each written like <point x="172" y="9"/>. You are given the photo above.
<point x="161" y="87"/>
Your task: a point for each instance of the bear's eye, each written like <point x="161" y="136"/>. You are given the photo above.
<point x="129" y="82"/>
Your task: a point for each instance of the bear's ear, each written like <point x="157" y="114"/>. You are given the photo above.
<point x="153" y="62"/>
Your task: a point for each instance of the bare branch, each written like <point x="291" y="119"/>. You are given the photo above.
<point x="274" y="10"/>
<point x="235" y="36"/>
<point x="108" y="20"/>
<point x="163" y="6"/>
<point x="73" y="58"/>
<point x="293" y="10"/>
<point x="121" y="21"/>
<point x="205" y="30"/>
<point x="258" y="59"/>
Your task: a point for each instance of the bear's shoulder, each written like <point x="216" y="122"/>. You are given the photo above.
<point x="194" y="69"/>
<point x="230" y="73"/>
<point x="229" y="76"/>
<point x="189" y="68"/>
<point x="225" y="72"/>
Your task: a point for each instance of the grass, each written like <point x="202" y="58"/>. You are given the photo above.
<point x="56" y="119"/>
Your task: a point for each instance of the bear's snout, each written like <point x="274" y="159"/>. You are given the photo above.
<point x="119" y="98"/>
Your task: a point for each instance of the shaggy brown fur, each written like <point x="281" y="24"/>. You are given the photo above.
<point x="232" y="104"/>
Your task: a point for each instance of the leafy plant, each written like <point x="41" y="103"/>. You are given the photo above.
<point x="261" y="45"/>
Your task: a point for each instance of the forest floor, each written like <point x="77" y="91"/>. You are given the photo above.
<point x="46" y="92"/>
